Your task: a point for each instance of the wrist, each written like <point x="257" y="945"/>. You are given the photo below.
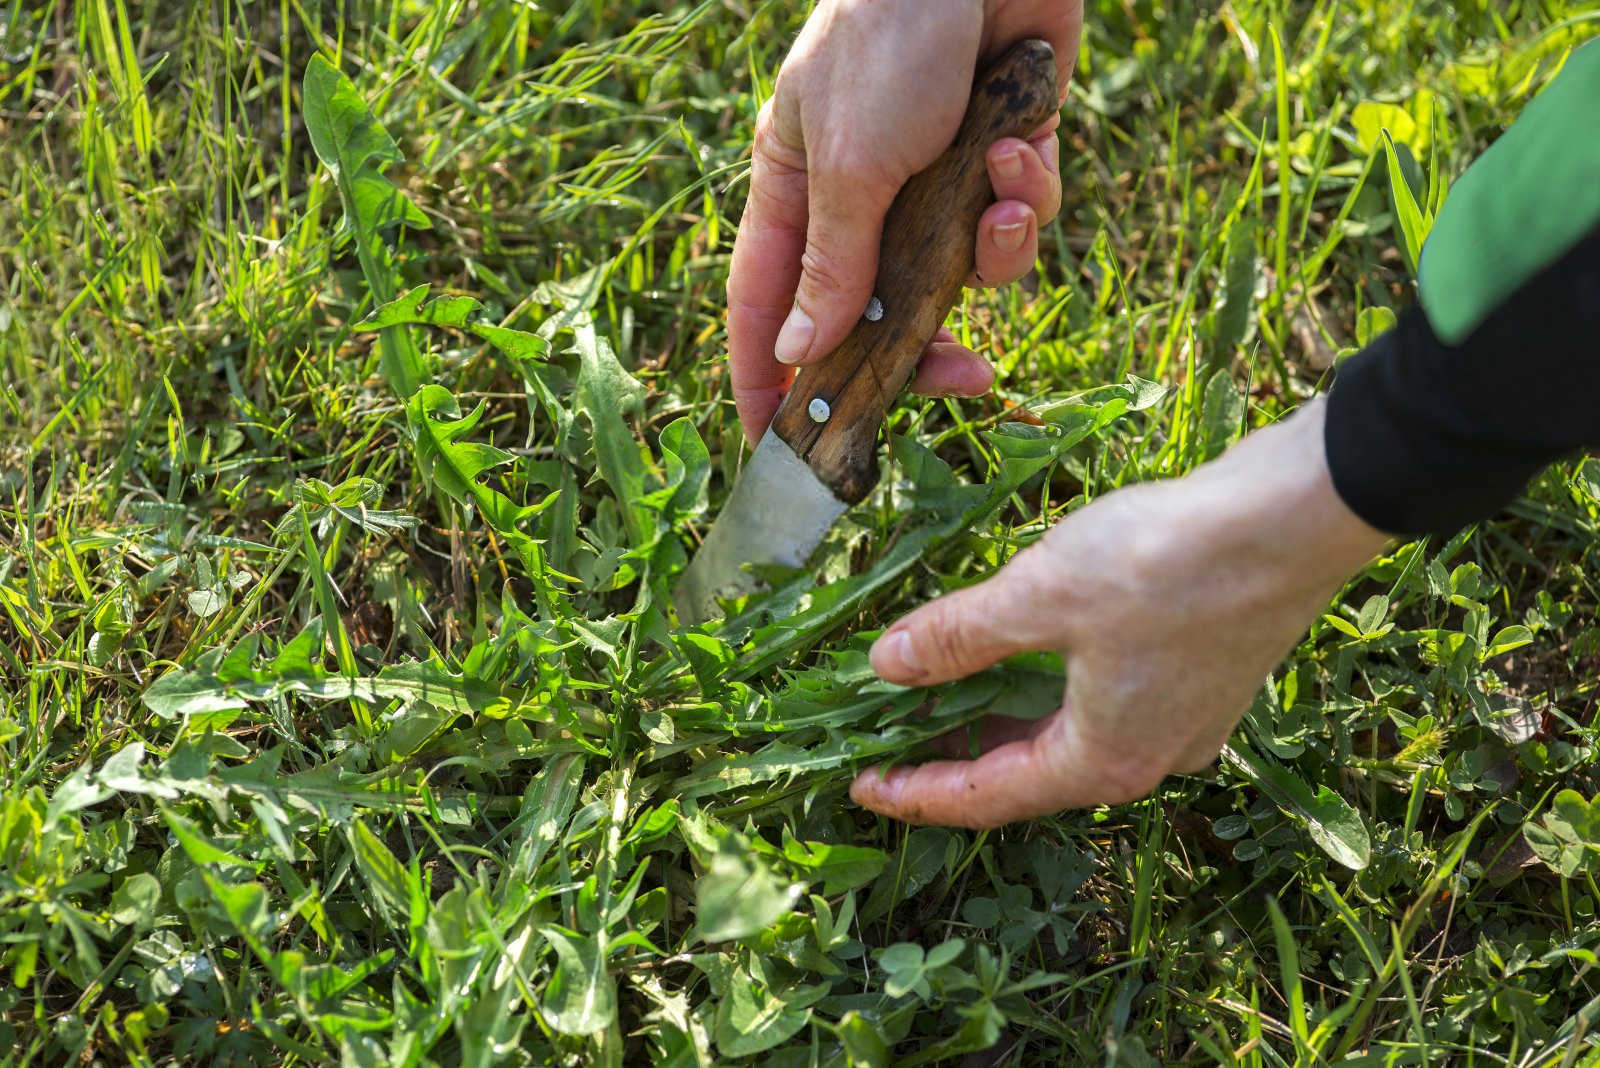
<point x="1281" y="500"/>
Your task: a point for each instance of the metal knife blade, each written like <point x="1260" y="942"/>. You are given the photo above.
<point x="779" y="512"/>
<point x="819" y="455"/>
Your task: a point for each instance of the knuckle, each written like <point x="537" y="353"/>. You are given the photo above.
<point x="958" y="634"/>
<point x="864" y="172"/>
<point x="771" y="141"/>
<point x="857" y="170"/>
<point x="824" y="271"/>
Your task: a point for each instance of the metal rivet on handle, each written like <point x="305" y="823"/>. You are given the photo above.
<point x="818" y="410"/>
<point x="874" y="310"/>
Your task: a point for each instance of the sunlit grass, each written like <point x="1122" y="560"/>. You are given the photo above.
<point x="341" y="715"/>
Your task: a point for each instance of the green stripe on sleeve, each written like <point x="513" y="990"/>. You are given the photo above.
<point x="1524" y="203"/>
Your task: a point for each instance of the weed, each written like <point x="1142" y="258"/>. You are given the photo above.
<point x="363" y="402"/>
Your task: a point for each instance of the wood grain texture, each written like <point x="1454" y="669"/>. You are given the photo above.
<point x="925" y="260"/>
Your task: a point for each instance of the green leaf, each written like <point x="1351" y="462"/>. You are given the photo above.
<point x="581" y="997"/>
<point x="1413" y="224"/>
<point x="1570" y="817"/>
<point x="1507" y="639"/>
<point x="546" y="808"/>
<point x="1372" y="614"/>
<point x="206" y="603"/>
<point x="606" y="393"/>
<point x="230" y="682"/>
<point x="1372" y="119"/>
<point x="752" y="1019"/>
<point x="345" y="135"/>
<point x="1545" y="845"/>
<point x="459" y="313"/>
<point x="739" y="895"/>
<point x="688" y="470"/>
<point x="1373" y="323"/>
<point x="388" y="878"/>
<point x="944" y="953"/>
<point x="247" y="905"/>
<point x="1222" y="413"/>
<point x="862" y="1042"/>
<point x="136" y="900"/>
<point x="901" y="957"/>
<point x="448" y="460"/>
<point x="408" y="308"/>
<point x="197" y="846"/>
<point x="1331" y="822"/>
<point x="355" y="147"/>
<point x="77" y="791"/>
<point x="1241" y="272"/>
<point x="376" y="200"/>
<point x="838" y="867"/>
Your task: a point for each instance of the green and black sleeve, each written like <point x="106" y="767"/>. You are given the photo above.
<point x="1495" y="372"/>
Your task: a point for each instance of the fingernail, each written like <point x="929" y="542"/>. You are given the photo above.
<point x="795" y="337"/>
<point x="892" y="657"/>
<point x="1008" y="238"/>
<point x="1008" y="164"/>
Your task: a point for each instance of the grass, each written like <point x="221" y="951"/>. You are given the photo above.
<point x="341" y="718"/>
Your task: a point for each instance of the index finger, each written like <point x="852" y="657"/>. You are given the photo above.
<point x="1034" y="776"/>
<point x="763" y="275"/>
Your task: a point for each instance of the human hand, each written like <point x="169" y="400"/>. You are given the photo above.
<point x="1169" y="602"/>
<point x="872" y="92"/>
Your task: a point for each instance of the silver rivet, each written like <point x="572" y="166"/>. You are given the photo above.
<point x="874" y="310"/>
<point x="818" y="410"/>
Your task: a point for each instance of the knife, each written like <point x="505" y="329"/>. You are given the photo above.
<point x="818" y="458"/>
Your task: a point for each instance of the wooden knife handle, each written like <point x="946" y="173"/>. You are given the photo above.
<point x="925" y="260"/>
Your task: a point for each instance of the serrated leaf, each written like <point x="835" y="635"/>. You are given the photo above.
<point x="355" y="147"/>
<point x="231" y="682"/>
<point x="456" y="465"/>
<point x="606" y="393"/>
<point x="409" y="308"/>
<point x="1331" y="822"/>
<point x="413" y="309"/>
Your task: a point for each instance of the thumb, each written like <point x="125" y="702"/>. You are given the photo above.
<point x="963" y="632"/>
<point x="840" y="262"/>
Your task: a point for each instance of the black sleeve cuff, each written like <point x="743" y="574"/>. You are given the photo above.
<point x="1424" y="437"/>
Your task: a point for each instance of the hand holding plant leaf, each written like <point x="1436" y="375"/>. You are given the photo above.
<point x="1169" y="603"/>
